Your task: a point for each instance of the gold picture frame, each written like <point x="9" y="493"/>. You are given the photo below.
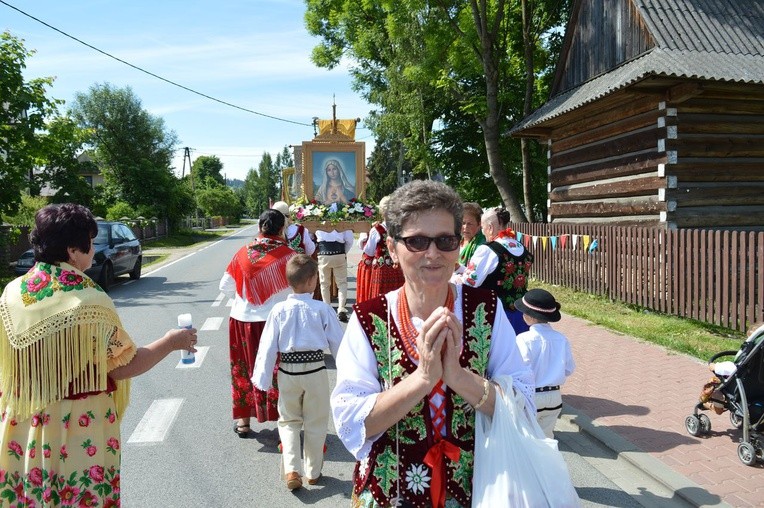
<point x="347" y="161"/>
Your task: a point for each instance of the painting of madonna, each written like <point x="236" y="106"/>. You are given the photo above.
<point x="331" y="183"/>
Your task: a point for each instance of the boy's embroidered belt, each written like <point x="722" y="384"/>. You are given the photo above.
<point x="303" y="357"/>
<point x="331" y="248"/>
<point x="547" y="388"/>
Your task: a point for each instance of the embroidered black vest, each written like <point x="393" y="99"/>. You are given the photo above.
<point x="384" y="470"/>
<point x="510" y="278"/>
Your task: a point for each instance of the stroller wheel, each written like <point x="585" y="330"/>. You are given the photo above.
<point x="746" y="453"/>
<point x="705" y="423"/>
<point x="736" y="420"/>
<point x="692" y="423"/>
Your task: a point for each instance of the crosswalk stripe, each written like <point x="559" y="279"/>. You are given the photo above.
<point x="229" y="303"/>
<point x="218" y="300"/>
<point x="201" y="352"/>
<point x="212" y="323"/>
<point x="156" y="421"/>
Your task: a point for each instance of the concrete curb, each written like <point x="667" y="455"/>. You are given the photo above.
<point x="660" y="472"/>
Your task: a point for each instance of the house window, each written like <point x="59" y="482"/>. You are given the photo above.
<point x="89" y="180"/>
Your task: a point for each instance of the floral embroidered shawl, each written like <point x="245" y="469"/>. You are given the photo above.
<point x="261" y="265"/>
<point x="60" y="336"/>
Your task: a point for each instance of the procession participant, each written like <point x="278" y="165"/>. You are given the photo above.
<point x="472" y="235"/>
<point x="297" y="332"/>
<point x="414" y="358"/>
<point x="547" y="352"/>
<point x="297" y="236"/>
<point x="333" y="247"/>
<point x="65" y="365"/>
<point x="380" y="274"/>
<point x="502" y="265"/>
<point x="256" y="280"/>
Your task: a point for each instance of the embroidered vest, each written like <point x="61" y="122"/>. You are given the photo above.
<point x="297" y="242"/>
<point x="383" y="470"/>
<point x="381" y="253"/>
<point x="510" y="278"/>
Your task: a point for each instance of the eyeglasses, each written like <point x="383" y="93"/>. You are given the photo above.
<point x="420" y="243"/>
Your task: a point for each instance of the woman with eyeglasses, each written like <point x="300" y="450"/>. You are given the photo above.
<point x="418" y="361"/>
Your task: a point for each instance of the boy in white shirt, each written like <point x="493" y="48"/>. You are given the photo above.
<point x="300" y="328"/>
<point x="547" y="352"/>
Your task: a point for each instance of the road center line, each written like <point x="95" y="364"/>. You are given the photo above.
<point x="212" y="323"/>
<point x="156" y="421"/>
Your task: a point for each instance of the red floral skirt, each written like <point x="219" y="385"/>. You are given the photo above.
<point x="248" y="401"/>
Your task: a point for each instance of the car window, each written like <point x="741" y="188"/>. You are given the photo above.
<point x="102" y="238"/>
<point x="116" y="233"/>
<point x="127" y="233"/>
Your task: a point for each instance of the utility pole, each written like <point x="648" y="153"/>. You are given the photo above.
<point x="187" y="156"/>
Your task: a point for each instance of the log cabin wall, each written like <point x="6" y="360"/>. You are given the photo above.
<point x="608" y="33"/>
<point x="717" y="160"/>
<point x="604" y="164"/>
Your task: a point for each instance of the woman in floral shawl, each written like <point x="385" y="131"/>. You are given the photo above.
<point x="65" y="364"/>
<point x="256" y="280"/>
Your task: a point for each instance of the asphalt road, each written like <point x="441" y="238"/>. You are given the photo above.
<point x="178" y="444"/>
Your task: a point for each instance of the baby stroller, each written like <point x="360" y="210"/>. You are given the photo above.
<point x="741" y="392"/>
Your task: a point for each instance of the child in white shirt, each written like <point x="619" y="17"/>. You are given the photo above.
<point x="300" y="329"/>
<point x="547" y="352"/>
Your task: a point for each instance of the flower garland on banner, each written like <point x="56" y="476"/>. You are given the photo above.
<point x="589" y="244"/>
<point x="353" y="211"/>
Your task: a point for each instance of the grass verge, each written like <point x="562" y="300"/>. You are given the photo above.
<point x="184" y="238"/>
<point x="155" y="260"/>
<point x="681" y="335"/>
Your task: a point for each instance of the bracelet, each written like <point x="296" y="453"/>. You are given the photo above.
<point x="485" y="394"/>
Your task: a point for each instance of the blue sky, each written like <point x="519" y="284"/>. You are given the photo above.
<point x="254" y="54"/>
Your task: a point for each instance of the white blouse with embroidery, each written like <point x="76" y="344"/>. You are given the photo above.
<point x="358" y="383"/>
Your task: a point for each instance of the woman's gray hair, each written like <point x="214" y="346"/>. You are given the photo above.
<point x="419" y="196"/>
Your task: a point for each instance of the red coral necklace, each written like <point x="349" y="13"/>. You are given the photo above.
<point x="408" y="331"/>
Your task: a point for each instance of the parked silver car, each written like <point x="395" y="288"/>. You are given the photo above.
<point x="117" y="251"/>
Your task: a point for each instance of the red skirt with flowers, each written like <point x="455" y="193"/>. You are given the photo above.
<point x="248" y="401"/>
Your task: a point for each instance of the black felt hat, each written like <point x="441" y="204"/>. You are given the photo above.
<point x="539" y="304"/>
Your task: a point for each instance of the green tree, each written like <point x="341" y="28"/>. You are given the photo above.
<point x="132" y="148"/>
<point x="431" y="65"/>
<point x="207" y="167"/>
<point x="219" y="200"/>
<point x="23" y="110"/>
<point x="382" y="169"/>
<point x="261" y="186"/>
<point x="61" y="144"/>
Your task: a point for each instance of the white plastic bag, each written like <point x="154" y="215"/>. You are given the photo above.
<point x="515" y="465"/>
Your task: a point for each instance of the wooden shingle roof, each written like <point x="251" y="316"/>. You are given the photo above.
<point x="714" y="40"/>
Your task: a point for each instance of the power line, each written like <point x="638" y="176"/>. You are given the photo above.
<point x="151" y="73"/>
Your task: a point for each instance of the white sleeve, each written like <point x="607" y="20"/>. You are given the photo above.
<point x="349" y="239"/>
<point x="371" y="244"/>
<point x="356" y="391"/>
<point x="332" y="330"/>
<point x="505" y="360"/>
<point x="483" y="262"/>
<point x="362" y="238"/>
<point x="262" y="376"/>
<point x="570" y="363"/>
<point x="310" y="246"/>
<point x="227" y="285"/>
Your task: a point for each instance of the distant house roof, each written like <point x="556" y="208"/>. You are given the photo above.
<point x="716" y="40"/>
